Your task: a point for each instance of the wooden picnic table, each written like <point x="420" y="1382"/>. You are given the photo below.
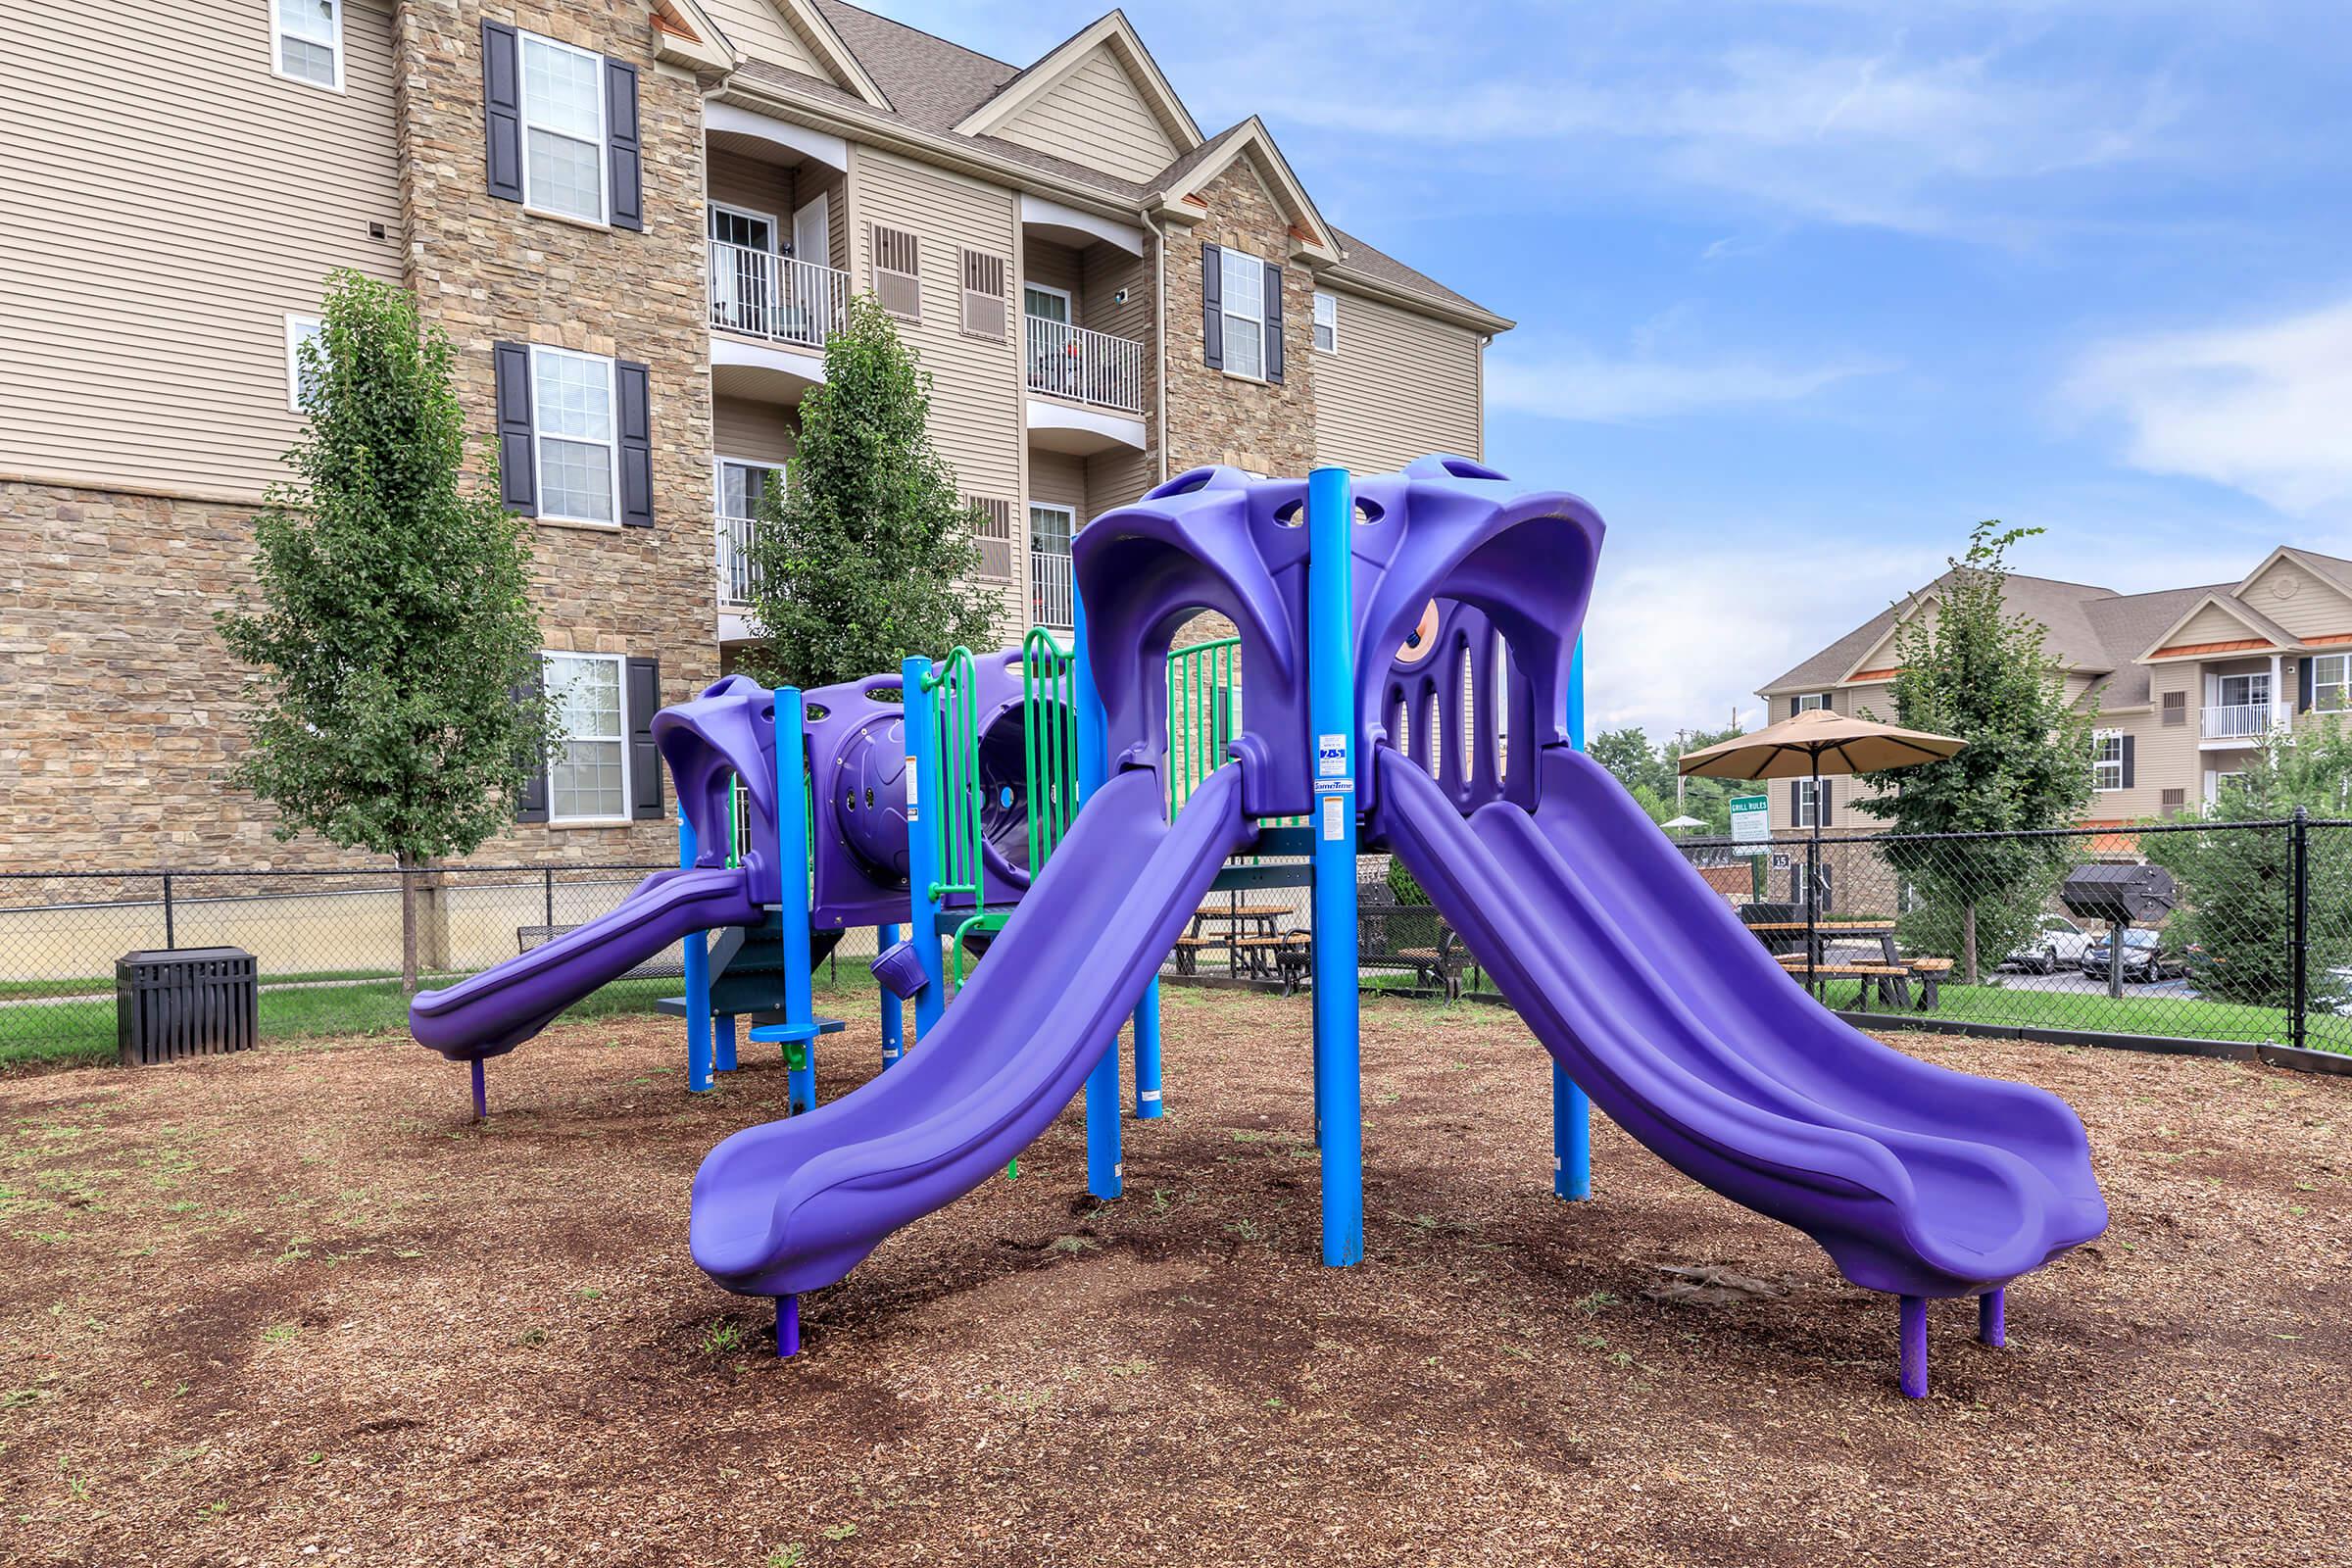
<point x="1826" y="931"/>
<point x="1249" y="930"/>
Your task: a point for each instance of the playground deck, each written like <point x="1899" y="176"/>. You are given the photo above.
<point x="258" y="1303"/>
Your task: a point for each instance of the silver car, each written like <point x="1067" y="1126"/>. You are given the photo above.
<point x="2056" y="943"/>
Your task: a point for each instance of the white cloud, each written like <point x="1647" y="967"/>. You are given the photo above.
<point x="2265" y="409"/>
<point x="1575" y="383"/>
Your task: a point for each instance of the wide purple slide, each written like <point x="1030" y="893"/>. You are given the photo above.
<point x="492" y="1013"/>
<point x="1645" y="987"/>
<point x="795" y="1204"/>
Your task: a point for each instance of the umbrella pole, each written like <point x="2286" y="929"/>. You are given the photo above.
<point x="1813" y="881"/>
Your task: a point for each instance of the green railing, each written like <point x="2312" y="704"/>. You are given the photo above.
<point x="1204" y="713"/>
<point x="1050" y="741"/>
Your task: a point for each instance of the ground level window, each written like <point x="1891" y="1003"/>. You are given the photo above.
<point x="587" y="779"/>
<point x="300" y="329"/>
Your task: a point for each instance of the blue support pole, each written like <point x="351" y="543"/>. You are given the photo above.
<point x="792" y="872"/>
<point x="722" y="1043"/>
<point x="1331" y="716"/>
<point x="922" y="845"/>
<point x="1146" y="1054"/>
<point x="894" y="1018"/>
<point x="1105" y="1171"/>
<point x="1571" y="1111"/>
<point x="698" y="981"/>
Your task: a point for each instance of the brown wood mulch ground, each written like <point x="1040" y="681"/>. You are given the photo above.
<point x="294" y="1307"/>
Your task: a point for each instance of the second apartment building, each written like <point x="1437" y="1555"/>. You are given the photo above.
<point x="638" y="223"/>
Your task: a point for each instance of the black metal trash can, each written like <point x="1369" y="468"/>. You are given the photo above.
<point x="185" y="1001"/>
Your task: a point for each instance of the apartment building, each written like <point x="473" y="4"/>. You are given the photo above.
<point x="638" y="223"/>
<point x="2187" y="682"/>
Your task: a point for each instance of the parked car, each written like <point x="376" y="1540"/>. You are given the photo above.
<point x="2057" y="943"/>
<point x="2145" y="958"/>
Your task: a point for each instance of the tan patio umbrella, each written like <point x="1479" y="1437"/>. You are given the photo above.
<point x="1810" y="744"/>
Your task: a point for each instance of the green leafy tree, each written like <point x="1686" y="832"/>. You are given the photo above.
<point x="2238" y="883"/>
<point x="867" y="555"/>
<point x="1978" y="671"/>
<point x="394" y="627"/>
<point x="1647" y="773"/>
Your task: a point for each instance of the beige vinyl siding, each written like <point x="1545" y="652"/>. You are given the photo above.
<point x="752" y="431"/>
<point x="2166" y="756"/>
<point x="1054" y="267"/>
<point x="755" y="28"/>
<point x="1095" y="118"/>
<point x="735" y="181"/>
<point x="809" y="182"/>
<point x="2211" y="625"/>
<point x="1116" y="477"/>
<point x="1103" y="271"/>
<point x="1400" y="386"/>
<point x="143" y="295"/>
<point x="1059" y="479"/>
<point x="2314" y="609"/>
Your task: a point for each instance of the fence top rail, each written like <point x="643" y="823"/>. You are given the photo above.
<point x="1798" y="839"/>
<point x="380" y="871"/>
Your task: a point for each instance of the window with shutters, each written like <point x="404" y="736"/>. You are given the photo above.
<point x="300" y="329"/>
<point x="574" y="431"/>
<point x="563" y="129"/>
<point x="2107" y="760"/>
<point x="307" y="41"/>
<point x="984" y="294"/>
<point x="1807" y="796"/>
<point x="1808" y="701"/>
<point x="1327" y="321"/>
<point x="2174" y="710"/>
<point x="1243" y="299"/>
<point x="588" y="776"/>
<point x="2332" y="683"/>
<point x="992" y="530"/>
<point x="898" y="272"/>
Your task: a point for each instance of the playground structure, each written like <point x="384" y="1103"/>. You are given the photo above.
<point x="1376" y="622"/>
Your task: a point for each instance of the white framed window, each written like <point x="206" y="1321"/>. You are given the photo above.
<point x="572" y="427"/>
<point x="1243" y="294"/>
<point x="306" y="41"/>
<point x="588" y="776"/>
<point x="2332" y="683"/>
<point x="1327" y="321"/>
<point x="563" y="129"/>
<point x="1808" y="802"/>
<point x="2107" y="760"/>
<point x="1808" y="701"/>
<point x="300" y="329"/>
<point x="2245" y="691"/>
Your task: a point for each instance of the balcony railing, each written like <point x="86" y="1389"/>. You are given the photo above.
<point x="1052" y="588"/>
<point x="2232" y="722"/>
<point x="775" y="296"/>
<point x="738" y="574"/>
<point x="1070" y="361"/>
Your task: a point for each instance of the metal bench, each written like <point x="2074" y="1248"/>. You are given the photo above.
<point x="527" y="937"/>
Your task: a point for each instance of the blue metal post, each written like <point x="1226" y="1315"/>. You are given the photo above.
<point x="698" y="981"/>
<point x="894" y="1018"/>
<point x="1571" y="1111"/>
<point x="1146" y="1054"/>
<point x="792" y="872"/>
<point x="922" y="845"/>
<point x="1331" y="716"/>
<point x="1105" y="1171"/>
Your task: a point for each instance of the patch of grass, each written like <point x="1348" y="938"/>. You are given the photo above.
<point x="2191" y="1017"/>
<point x="723" y="1339"/>
<point x="279" y="1334"/>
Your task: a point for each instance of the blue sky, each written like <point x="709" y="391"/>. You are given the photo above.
<point x="1804" y="289"/>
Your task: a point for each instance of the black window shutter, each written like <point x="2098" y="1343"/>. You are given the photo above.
<point x="2130" y="763"/>
<point x="1273" y="288"/>
<point x="1820" y="799"/>
<point x="1794" y="703"/>
<point x="2302" y="685"/>
<point x="517" y="477"/>
<point x="620" y="145"/>
<point x="532" y="806"/>
<point x="643" y="689"/>
<point x="502" y="110"/>
<point x="1213" y="307"/>
<point x="636" y="446"/>
<point x="1796" y="803"/>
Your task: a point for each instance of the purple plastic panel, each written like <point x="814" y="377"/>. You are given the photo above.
<point x="1452" y="650"/>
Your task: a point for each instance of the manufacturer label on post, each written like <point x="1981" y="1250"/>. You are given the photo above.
<point x="914" y="806"/>
<point x="1331" y="755"/>
<point x="1334" y="818"/>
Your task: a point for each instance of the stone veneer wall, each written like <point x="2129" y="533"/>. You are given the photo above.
<point x="1217" y="417"/>
<point x="489" y="271"/>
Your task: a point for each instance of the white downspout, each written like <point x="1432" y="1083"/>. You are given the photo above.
<point x="2278" y="699"/>
<point x="1159" y="340"/>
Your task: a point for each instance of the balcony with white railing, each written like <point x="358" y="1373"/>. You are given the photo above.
<point x="1086" y="367"/>
<point x="738" y="574"/>
<point x="775" y="297"/>
<point x="2238" y="721"/>
<point x="1053" y="589"/>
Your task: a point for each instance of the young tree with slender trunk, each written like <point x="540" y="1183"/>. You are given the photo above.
<point x="394" y="630"/>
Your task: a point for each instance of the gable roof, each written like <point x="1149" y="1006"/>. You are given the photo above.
<point x="2224" y="599"/>
<point x="1111" y="31"/>
<point x="2061" y="608"/>
<point x="931" y="86"/>
<point x="1178" y="185"/>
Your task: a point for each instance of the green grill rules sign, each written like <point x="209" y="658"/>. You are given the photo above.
<point x="1751" y="821"/>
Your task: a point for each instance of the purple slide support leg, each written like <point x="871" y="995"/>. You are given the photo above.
<point x="1993" y="1317"/>
<point x="788" y="1326"/>
<point x="1915" y="1347"/>
<point x="481" y="1095"/>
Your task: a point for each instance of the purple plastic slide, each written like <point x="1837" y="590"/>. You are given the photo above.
<point x="795" y="1204"/>
<point x="1644" y="984"/>
<point x="492" y="1013"/>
